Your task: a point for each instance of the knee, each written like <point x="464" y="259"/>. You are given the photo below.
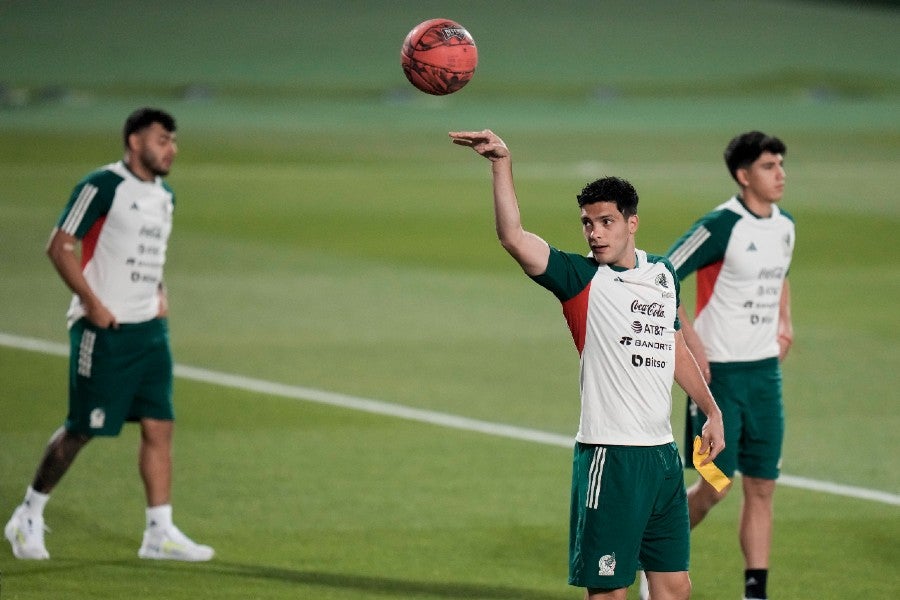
<point x="756" y="489"/>
<point x="704" y="494"/>
<point x="156" y="432"/>
<point x="674" y="586"/>
<point x="684" y="591"/>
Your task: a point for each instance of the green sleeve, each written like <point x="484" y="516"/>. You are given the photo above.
<point x="567" y="274"/>
<point x="92" y="196"/>
<point x="704" y="243"/>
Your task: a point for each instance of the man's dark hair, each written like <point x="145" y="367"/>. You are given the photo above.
<point x="611" y="189"/>
<point x="745" y="148"/>
<point x="145" y="117"/>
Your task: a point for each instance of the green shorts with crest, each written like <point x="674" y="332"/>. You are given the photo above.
<point x="749" y="395"/>
<point x="629" y="508"/>
<point x="118" y="375"/>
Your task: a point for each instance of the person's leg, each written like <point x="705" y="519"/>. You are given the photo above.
<point x="25" y="530"/>
<point x="598" y="594"/>
<point x="162" y="539"/>
<point x="701" y="498"/>
<point x="760" y="463"/>
<point x="756" y="521"/>
<point x="669" y="586"/>
<point x="756" y="533"/>
<point x="155" y="460"/>
<point x="60" y="453"/>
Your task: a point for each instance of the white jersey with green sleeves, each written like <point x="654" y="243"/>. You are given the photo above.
<point x="124" y="225"/>
<point x="623" y="323"/>
<point x="741" y="262"/>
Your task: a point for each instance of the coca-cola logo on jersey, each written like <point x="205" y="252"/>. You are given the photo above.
<point x="651" y="309"/>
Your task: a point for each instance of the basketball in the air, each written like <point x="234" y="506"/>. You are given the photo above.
<point x="439" y="56"/>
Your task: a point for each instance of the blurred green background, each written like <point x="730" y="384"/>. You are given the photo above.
<point x="329" y="236"/>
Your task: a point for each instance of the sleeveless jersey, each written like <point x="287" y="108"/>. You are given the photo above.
<point x="741" y="262"/>
<point x="123" y="224"/>
<point x="623" y="323"/>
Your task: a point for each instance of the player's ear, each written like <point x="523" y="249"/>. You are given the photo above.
<point x="134" y="141"/>
<point x="741" y="176"/>
<point x="633" y="223"/>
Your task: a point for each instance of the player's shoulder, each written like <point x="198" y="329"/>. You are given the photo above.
<point x="106" y="177"/>
<point x="659" y="261"/>
<point x="724" y="215"/>
<point x="657" y="258"/>
<point x="583" y="264"/>
<point x="780" y="212"/>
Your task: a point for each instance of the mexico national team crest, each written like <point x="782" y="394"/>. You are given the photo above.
<point x="98" y="418"/>
<point x="608" y="565"/>
<point x="662" y="280"/>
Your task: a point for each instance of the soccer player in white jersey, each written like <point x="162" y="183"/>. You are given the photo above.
<point x="120" y="365"/>
<point x="629" y="505"/>
<point x="741" y="252"/>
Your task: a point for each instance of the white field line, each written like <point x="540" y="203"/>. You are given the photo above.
<point x="378" y="407"/>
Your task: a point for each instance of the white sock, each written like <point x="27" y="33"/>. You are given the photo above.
<point x="35" y="501"/>
<point x="159" y="517"/>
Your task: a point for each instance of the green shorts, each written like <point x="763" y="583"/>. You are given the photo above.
<point x="749" y="395"/>
<point x="629" y="508"/>
<point x="118" y="375"/>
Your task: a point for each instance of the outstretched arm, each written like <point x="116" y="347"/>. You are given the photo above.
<point x="529" y="250"/>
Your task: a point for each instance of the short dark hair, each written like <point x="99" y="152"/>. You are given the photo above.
<point x="611" y="189"/>
<point x="145" y="117"/>
<point x="745" y="148"/>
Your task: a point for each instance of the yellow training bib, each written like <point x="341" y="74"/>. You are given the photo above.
<point x="710" y="472"/>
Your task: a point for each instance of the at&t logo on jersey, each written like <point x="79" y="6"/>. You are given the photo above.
<point x="638" y="327"/>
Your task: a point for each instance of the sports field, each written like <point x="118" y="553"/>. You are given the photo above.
<point x="372" y="399"/>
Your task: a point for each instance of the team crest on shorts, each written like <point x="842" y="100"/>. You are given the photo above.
<point x="608" y="564"/>
<point x="98" y="417"/>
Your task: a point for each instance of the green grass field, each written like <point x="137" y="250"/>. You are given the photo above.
<point x="329" y="236"/>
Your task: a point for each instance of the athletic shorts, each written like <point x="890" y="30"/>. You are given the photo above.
<point x="118" y="375"/>
<point x="629" y="508"/>
<point x="749" y="395"/>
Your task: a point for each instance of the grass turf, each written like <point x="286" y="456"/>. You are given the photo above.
<point x="328" y="235"/>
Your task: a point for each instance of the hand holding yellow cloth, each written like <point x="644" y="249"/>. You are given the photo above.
<point x="710" y="472"/>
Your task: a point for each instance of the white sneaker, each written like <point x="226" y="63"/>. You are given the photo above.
<point x="171" y="544"/>
<point x="26" y="534"/>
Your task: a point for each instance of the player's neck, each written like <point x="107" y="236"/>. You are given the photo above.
<point x="757" y="206"/>
<point x="138" y="169"/>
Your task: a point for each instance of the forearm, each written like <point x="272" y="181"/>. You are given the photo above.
<point x="688" y="375"/>
<point x="529" y="250"/>
<point x="507" y="218"/>
<point x="694" y="343"/>
<point x="785" y="324"/>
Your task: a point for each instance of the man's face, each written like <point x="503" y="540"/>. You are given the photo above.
<point x="156" y="149"/>
<point x="609" y="233"/>
<point x="764" y="179"/>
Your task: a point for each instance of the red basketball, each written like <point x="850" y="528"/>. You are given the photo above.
<point x="439" y="56"/>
